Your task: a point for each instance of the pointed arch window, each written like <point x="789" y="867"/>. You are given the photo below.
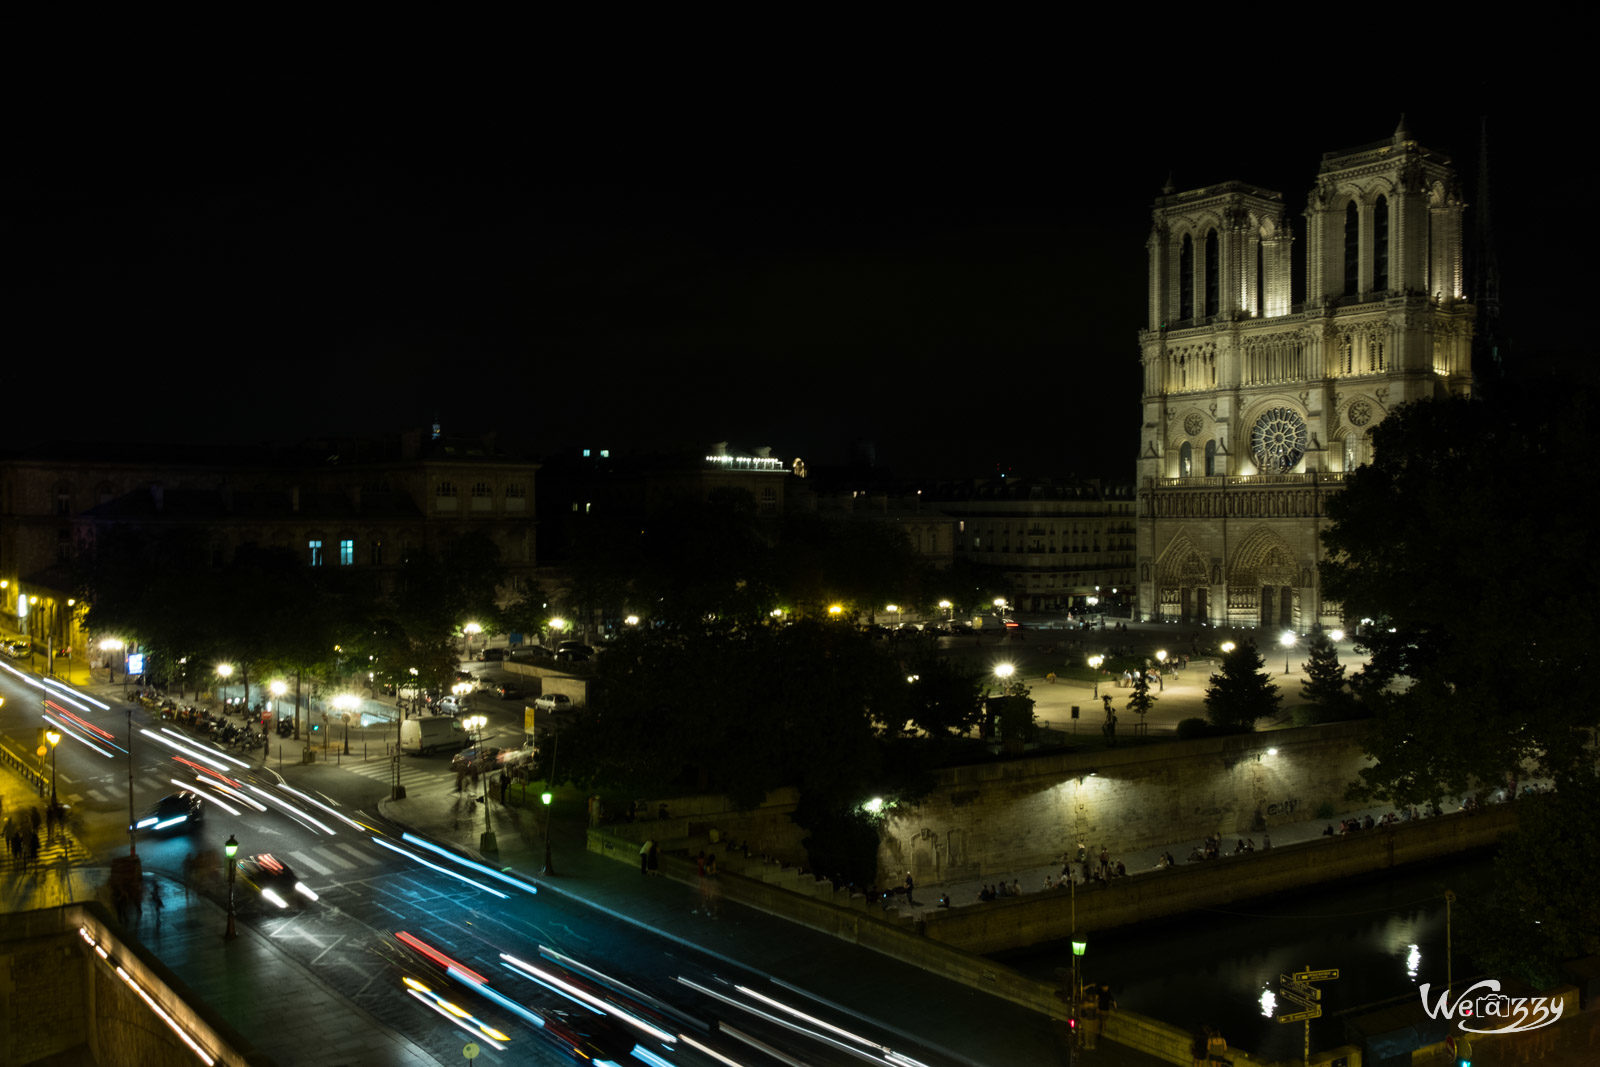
<point x="1185" y="460"/>
<point x="1211" y="458"/>
<point x="1213" y="283"/>
<point x="1352" y="249"/>
<point x="1380" y="245"/>
<point x="1186" y="279"/>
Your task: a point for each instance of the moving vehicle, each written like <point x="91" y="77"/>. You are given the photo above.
<point x="274" y="880"/>
<point x="476" y="760"/>
<point x="430" y="733"/>
<point x="176" y="813"/>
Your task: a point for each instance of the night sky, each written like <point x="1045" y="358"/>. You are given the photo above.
<point x="950" y="271"/>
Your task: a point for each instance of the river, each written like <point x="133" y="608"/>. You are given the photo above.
<point x="1384" y="933"/>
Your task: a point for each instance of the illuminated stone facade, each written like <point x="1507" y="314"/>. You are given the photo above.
<point x="1255" y="406"/>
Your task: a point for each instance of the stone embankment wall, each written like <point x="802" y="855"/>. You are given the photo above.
<point x="59" y="1000"/>
<point x="996" y="818"/>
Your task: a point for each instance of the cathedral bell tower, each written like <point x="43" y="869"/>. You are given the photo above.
<point x="1255" y="407"/>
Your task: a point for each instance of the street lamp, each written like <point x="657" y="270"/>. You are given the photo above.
<point x="224" y="671"/>
<point x="109" y="646"/>
<point x="1094" y="665"/>
<point x="949" y="610"/>
<point x="1228" y="646"/>
<point x="468" y="632"/>
<point x="487" y="843"/>
<point x="1161" y="679"/>
<point x="232" y="849"/>
<point x="1286" y="639"/>
<point x="346" y="703"/>
<point x="54" y="737"/>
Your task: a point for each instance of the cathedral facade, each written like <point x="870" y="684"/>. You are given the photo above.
<point x="1255" y="407"/>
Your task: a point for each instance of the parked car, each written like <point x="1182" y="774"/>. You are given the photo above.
<point x="507" y="692"/>
<point x="554" y="702"/>
<point x="476" y="760"/>
<point x="489" y="655"/>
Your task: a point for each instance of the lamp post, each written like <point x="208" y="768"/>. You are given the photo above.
<point x="346" y="703"/>
<point x="110" y="646"/>
<point x="547" y="796"/>
<point x="1094" y="665"/>
<point x="54" y="737"/>
<point x="224" y="672"/>
<point x="133" y="848"/>
<point x="1286" y="639"/>
<point x="1161" y="672"/>
<point x="468" y="632"/>
<point x="232" y="849"/>
<point x="487" y="843"/>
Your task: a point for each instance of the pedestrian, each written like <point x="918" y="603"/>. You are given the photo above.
<point x="1104" y="1002"/>
<point x="504" y="785"/>
<point x="655" y="858"/>
<point x="30" y="846"/>
<point x="910" y="885"/>
<point x="644" y="856"/>
<point x="14" y="839"/>
<point x="155" y="900"/>
<point x="1216" y="1047"/>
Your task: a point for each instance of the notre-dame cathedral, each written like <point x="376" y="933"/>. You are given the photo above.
<point x="1256" y="407"/>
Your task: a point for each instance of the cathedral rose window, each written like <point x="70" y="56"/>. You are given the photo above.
<point x="1278" y="441"/>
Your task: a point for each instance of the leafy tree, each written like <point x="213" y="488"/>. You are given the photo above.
<point x="1140" y="701"/>
<point x="1324" y="685"/>
<point x="1242" y="693"/>
<point x="1460" y="541"/>
<point x="1542" y="908"/>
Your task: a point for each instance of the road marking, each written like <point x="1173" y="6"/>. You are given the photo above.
<point x="359" y="853"/>
<point x="304" y="860"/>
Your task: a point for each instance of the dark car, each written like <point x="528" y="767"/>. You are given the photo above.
<point x="475" y="760"/>
<point x="507" y="692"/>
<point x="274" y="880"/>
<point x="492" y="654"/>
<point x="589" y="1037"/>
<point x="176" y="813"/>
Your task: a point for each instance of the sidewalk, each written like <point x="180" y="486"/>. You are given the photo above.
<point x="249" y="982"/>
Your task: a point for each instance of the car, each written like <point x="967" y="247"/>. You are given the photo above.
<point x="554" y="702"/>
<point x="505" y="691"/>
<point x="475" y="760"/>
<point x="450" y="706"/>
<point x="492" y="654"/>
<point x="573" y="655"/>
<point x="19" y="649"/>
<point x="176" y="813"/>
<point x="274" y="880"/>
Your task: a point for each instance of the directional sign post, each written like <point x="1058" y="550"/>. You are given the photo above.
<point x="1298" y="990"/>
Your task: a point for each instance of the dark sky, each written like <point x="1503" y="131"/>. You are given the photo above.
<point x="952" y="270"/>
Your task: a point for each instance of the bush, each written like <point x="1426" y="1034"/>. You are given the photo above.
<point x="1189" y="729"/>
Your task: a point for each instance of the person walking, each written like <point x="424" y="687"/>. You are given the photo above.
<point x="644" y="856"/>
<point x="156" y="902"/>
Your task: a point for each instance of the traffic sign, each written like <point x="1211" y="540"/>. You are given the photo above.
<point x="1300" y="990"/>
<point x="1295" y="998"/>
<point x="1310" y="1013"/>
<point x="1316" y="976"/>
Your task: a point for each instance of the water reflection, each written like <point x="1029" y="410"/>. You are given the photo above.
<point x="1221" y="967"/>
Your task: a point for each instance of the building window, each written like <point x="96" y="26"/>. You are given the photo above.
<point x="445" y="489"/>
<point x="1352" y="248"/>
<point x="1213" y="268"/>
<point x="444" y="497"/>
<point x="1211" y="458"/>
<point x="1380" y="245"/>
<point x="63" y="500"/>
<point x="316" y="551"/>
<point x="1185" y="460"/>
<point x="769" y="501"/>
<point x="347" y="552"/>
<point x="482" y="497"/>
<point x="1186" y="279"/>
<point x="375" y="553"/>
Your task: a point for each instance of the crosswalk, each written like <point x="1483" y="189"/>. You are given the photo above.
<point x="332" y="860"/>
<point x="111" y="788"/>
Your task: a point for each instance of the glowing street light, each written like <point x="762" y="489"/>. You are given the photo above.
<point x="1286" y="639"/>
<point x="232" y="849"/>
<point x="475" y="724"/>
<point x="1094" y="665"/>
<point x="54" y="737"/>
<point x="468" y="632"/>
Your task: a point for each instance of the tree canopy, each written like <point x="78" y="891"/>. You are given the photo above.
<point x="1466" y="545"/>
<point x="1241" y="692"/>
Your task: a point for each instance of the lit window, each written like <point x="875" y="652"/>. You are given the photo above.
<point x="316" y="552"/>
<point x="347" y="552"/>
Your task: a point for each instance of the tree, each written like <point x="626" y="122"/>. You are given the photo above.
<point x="1140" y="701"/>
<point x="1324" y="685"/>
<point x="1461" y="540"/>
<point x="1242" y="693"/>
<point x="1542" y="908"/>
